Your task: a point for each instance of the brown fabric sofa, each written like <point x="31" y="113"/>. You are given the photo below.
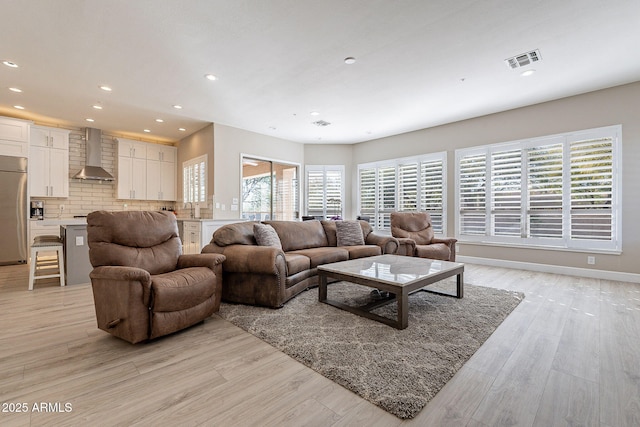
<point x="270" y="276"/>
<point x="143" y="287"/>
<point x="416" y="238"/>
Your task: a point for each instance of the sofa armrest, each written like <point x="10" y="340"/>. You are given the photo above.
<point x="109" y="276"/>
<point x="406" y="246"/>
<point x="120" y="273"/>
<point x="254" y="259"/>
<point x="208" y="260"/>
<point x="449" y="241"/>
<point x="388" y="244"/>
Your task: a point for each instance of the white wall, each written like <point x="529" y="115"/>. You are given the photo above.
<point x="618" y="105"/>
<point x="230" y="143"/>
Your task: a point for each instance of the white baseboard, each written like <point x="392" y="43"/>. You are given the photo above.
<point x="557" y="269"/>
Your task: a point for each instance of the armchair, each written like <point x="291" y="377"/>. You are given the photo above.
<point x="416" y="238"/>
<point x="143" y="287"/>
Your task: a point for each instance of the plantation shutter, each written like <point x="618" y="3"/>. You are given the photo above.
<point x="506" y="198"/>
<point x="333" y="186"/>
<point x="386" y="196"/>
<point x="315" y="192"/>
<point x="431" y="189"/>
<point x="194" y="180"/>
<point x="408" y="187"/>
<point x="544" y="210"/>
<point x="368" y="192"/>
<point x="592" y="189"/>
<point x="472" y="194"/>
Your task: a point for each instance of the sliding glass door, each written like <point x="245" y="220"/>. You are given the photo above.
<point x="269" y="190"/>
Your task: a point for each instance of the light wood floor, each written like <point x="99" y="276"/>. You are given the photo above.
<point x="569" y="355"/>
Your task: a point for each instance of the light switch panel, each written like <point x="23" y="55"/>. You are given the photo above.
<point x="79" y="240"/>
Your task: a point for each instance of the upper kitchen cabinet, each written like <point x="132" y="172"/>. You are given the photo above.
<point x="14" y="137"/>
<point x="132" y="170"/>
<point x="49" y="137"/>
<point x="49" y="162"/>
<point x="133" y="149"/>
<point x="161" y="172"/>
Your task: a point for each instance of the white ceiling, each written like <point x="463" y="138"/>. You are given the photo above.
<point x="419" y="63"/>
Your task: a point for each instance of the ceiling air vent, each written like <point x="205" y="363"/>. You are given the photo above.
<point x="321" y="123"/>
<point x="523" y="59"/>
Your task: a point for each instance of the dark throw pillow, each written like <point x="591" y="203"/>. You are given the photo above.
<point x="266" y="235"/>
<point x="349" y="233"/>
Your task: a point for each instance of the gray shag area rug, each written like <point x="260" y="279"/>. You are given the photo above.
<point x="397" y="370"/>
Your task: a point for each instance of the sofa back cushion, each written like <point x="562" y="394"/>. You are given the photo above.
<point x="143" y="239"/>
<point x="412" y="225"/>
<point x="295" y="235"/>
<point x="239" y="233"/>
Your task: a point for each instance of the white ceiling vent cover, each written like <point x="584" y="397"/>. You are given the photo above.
<point x="523" y="59"/>
<point x="321" y="123"/>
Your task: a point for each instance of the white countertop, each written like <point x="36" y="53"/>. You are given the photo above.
<point x="59" y="221"/>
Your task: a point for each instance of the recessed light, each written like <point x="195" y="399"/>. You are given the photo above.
<point x="90" y="120"/>
<point x="19" y="107"/>
<point x="350" y="60"/>
<point x="97" y="107"/>
<point x="210" y="77"/>
<point x="10" y="64"/>
<point x="314" y="113"/>
<point x="527" y="73"/>
<point x="159" y="120"/>
<point x="15" y="89"/>
<point x="105" y="88"/>
<point x="181" y="129"/>
<point x="147" y="130"/>
<point x="177" y="107"/>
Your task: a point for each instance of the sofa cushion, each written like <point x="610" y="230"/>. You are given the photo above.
<point x="296" y="263"/>
<point x="182" y="289"/>
<point x="331" y="232"/>
<point x="239" y="233"/>
<point x="266" y="235"/>
<point x="349" y="233"/>
<point x="323" y="255"/>
<point x="434" y="251"/>
<point x="296" y="235"/>
<point x="361" y="251"/>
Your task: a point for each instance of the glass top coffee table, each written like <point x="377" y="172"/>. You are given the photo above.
<point x="399" y="275"/>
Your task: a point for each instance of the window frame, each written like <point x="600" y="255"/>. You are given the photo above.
<point x="379" y="216"/>
<point x="566" y="241"/>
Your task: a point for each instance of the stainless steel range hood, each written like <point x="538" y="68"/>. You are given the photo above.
<point x="93" y="166"/>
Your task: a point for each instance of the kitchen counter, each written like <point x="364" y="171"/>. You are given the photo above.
<point x="58" y="221"/>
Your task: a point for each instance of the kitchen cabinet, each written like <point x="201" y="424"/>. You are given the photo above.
<point x="197" y="233"/>
<point x="132" y="170"/>
<point x="191" y="237"/>
<point x="49" y="162"/>
<point x="14" y="137"/>
<point x="161" y="172"/>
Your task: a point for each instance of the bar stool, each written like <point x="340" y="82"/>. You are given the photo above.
<point x="46" y="244"/>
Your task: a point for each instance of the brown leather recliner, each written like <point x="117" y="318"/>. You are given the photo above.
<point x="143" y="287"/>
<point x="416" y="238"/>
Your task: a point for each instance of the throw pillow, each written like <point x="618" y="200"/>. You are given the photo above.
<point x="266" y="235"/>
<point x="349" y="233"/>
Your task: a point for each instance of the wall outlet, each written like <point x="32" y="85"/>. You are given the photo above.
<point x="61" y="208"/>
<point x="591" y="260"/>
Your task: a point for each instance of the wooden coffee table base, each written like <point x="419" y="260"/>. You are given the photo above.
<point x="398" y="292"/>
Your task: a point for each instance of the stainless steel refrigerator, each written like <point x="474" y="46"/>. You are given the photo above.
<point x="13" y="210"/>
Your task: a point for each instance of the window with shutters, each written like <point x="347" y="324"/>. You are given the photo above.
<point x="407" y="184"/>
<point x="557" y="191"/>
<point x="325" y="191"/>
<point x="194" y="180"/>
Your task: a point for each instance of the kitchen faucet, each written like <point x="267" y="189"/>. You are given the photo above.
<point x="190" y="209"/>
